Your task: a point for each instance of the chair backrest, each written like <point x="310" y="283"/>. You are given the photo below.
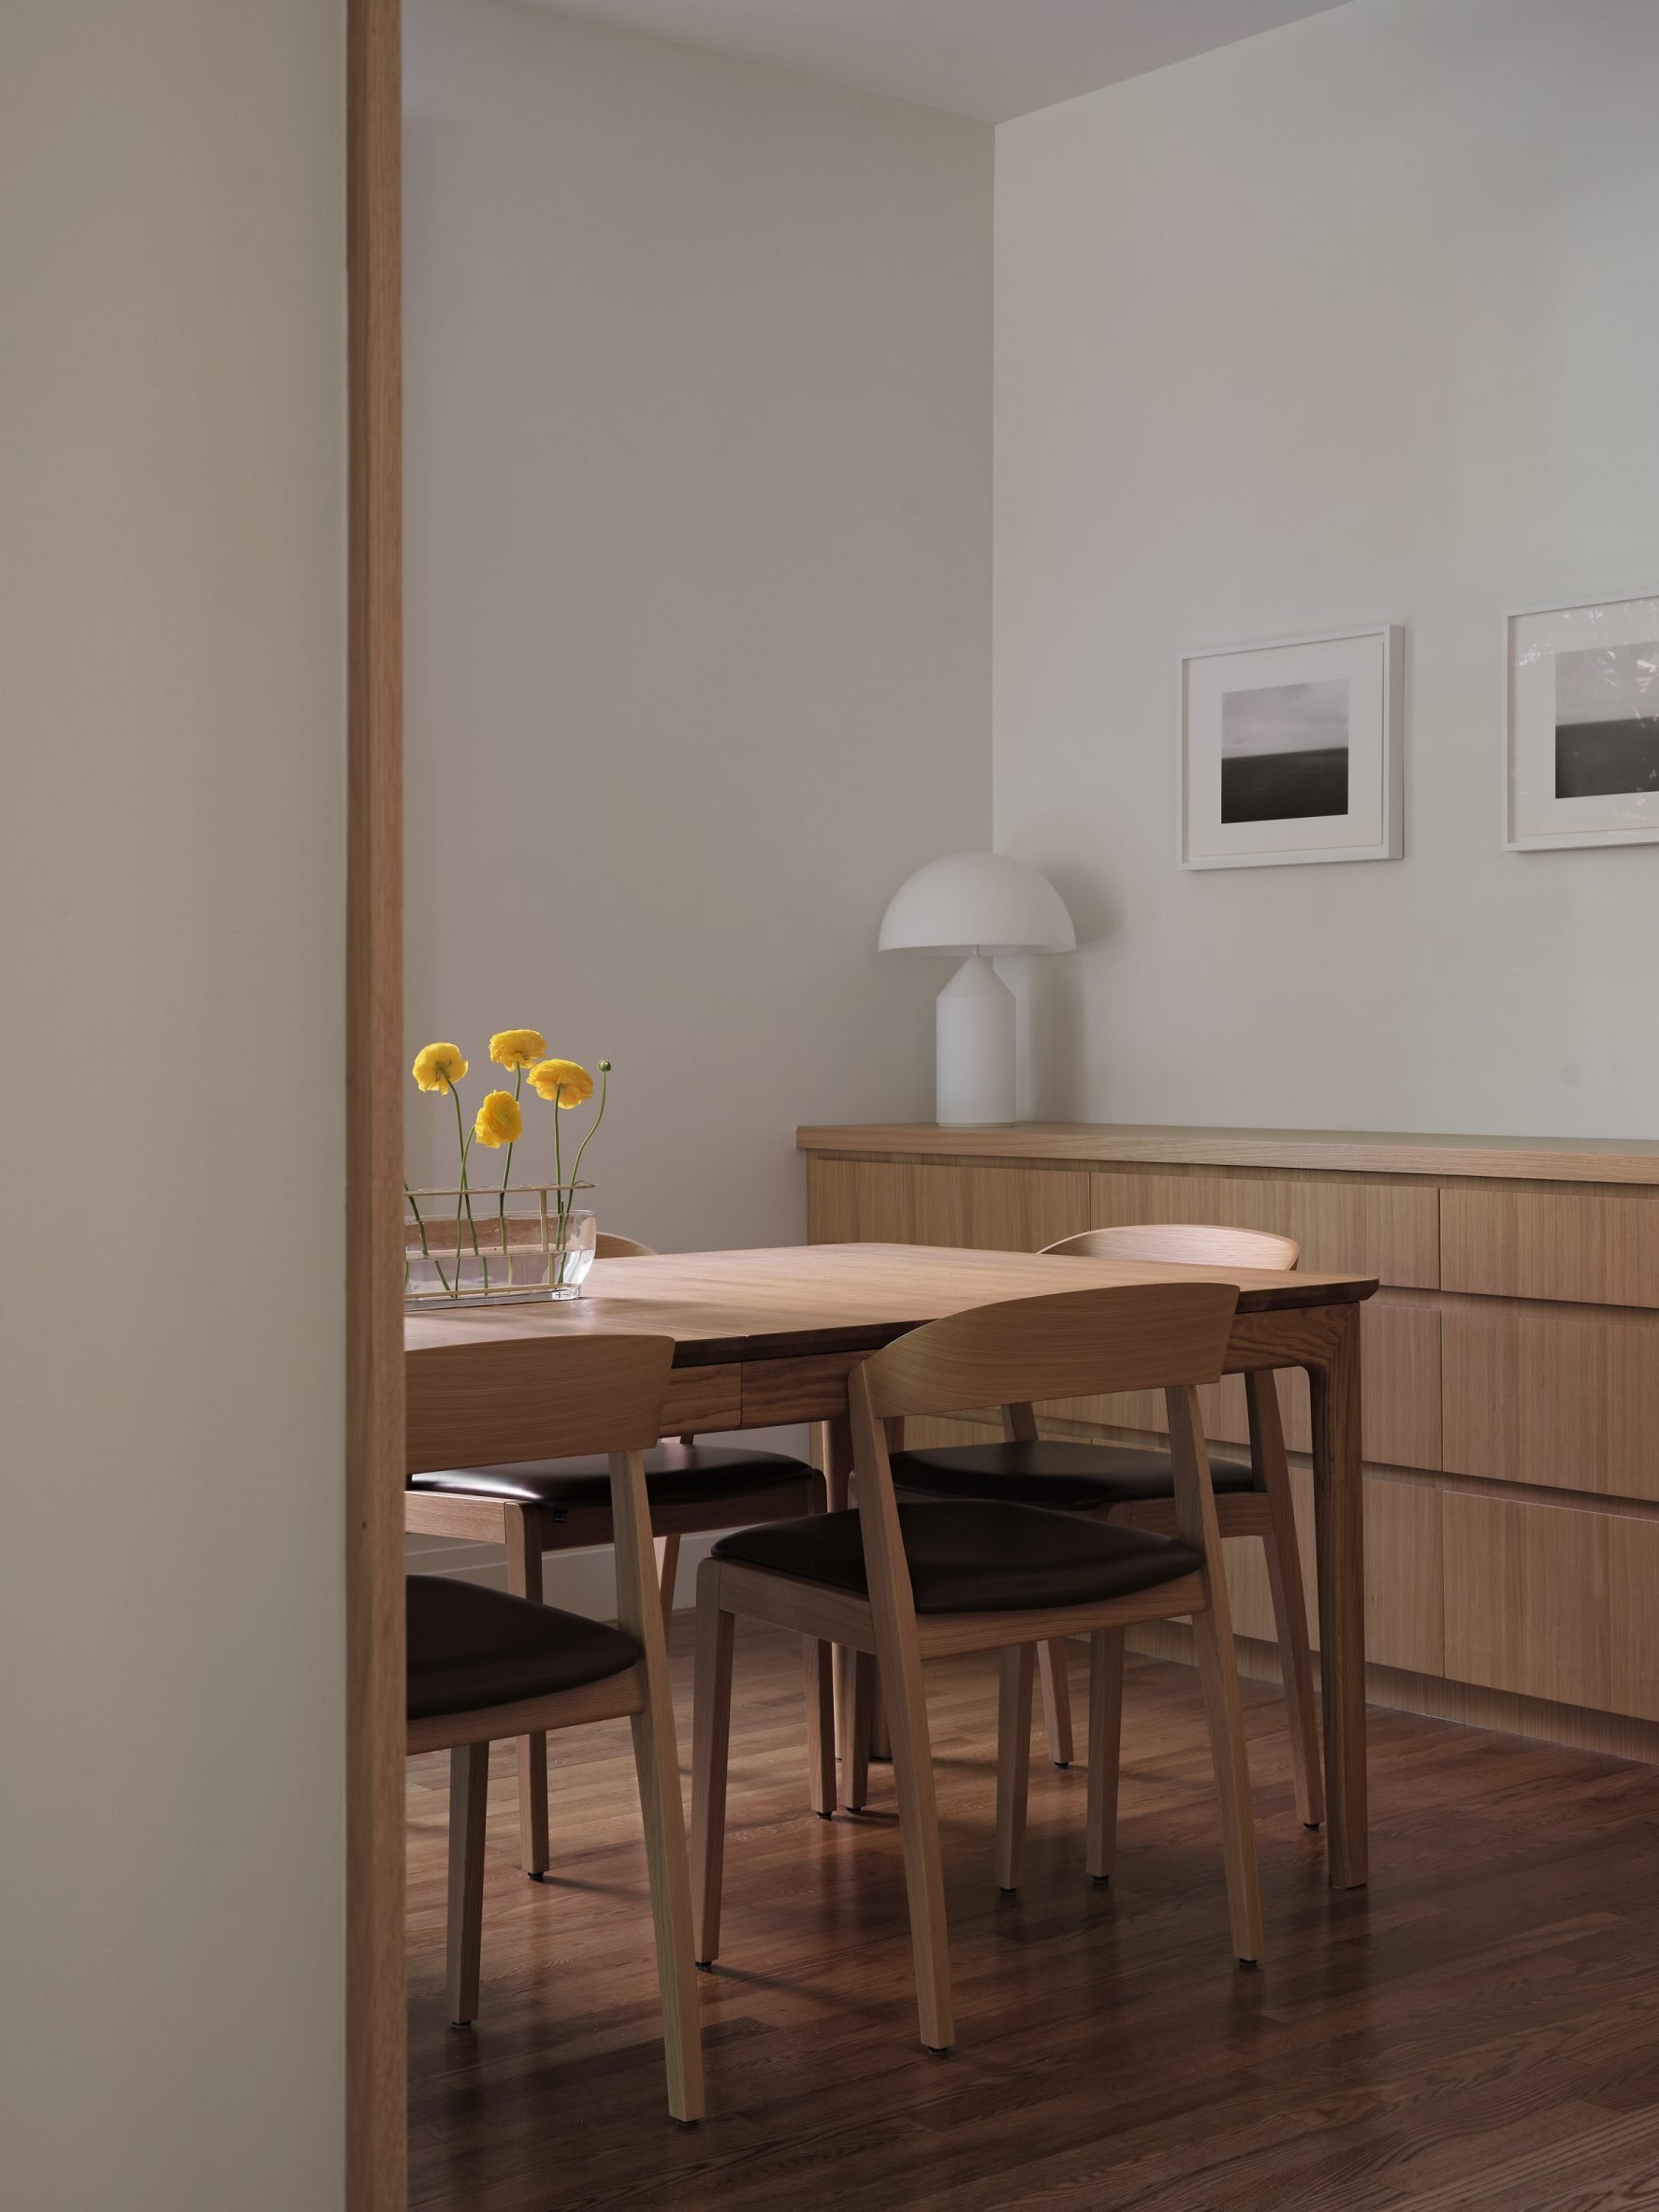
<point x="472" y="1404"/>
<point x="606" y="1247"/>
<point x="1072" y="1344"/>
<point x="1184" y="1243"/>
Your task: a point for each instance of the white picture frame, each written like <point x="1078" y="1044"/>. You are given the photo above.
<point x="1260" y="727"/>
<point x="1551" y="798"/>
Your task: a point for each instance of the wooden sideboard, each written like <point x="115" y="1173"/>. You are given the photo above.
<point x="1512" y="1384"/>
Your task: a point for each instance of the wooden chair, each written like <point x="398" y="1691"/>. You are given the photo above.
<point x="1135" y="1487"/>
<point x="538" y="1505"/>
<point x="483" y="1665"/>
<point x="904" y="1583"/>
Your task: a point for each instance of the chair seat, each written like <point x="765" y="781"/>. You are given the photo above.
<point x="470" y="1647"/>
<point x="676" y="1474"/>
<point x="1067" y="1477"/>
<point x="974" y="1558"/>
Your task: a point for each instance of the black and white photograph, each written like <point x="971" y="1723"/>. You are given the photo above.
<point x="1290" y="752"/>
<point x="1285" y="752"/>
<point x="1607" y="720"/>
<point x="1581" y="725"/>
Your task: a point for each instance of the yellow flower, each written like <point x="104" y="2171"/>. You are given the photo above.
<point x="564" y="1081"/>
<point x="439" y="1067"/>
<point x="516" y="1048"/>
<point x="500" y="1120"/>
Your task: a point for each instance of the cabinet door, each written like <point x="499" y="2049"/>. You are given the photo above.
<point x="1552" y="1602"/>
<point x="1390" y="1230"/>
<point x="1400" y="1358"/>
<point x="914" y="1202"/>
<point x="1590" y="1247"/>
<point x="1404" y="1621"/>
<point x="1541" y="1395"/>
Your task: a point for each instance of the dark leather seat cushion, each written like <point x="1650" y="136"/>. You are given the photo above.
<point x="676" y="1474"/>
<point x="469" y="1646"/>
<point x="1069" y="1478"/>
<point x="974" y="1558"/>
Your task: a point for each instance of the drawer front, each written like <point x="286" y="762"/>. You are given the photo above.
<point x="1587" y="1247"/>
<point x="1400" y="1354"/>
<point x="1532" y="1394"/>
<point x="1550" y="1602"/>
<point x="1386" y="1229"/>
<point x="1403" y="1612"/>
<point x="909" y="1202"/>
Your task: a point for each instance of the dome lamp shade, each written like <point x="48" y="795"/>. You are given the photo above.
<point x="976" y="904"/>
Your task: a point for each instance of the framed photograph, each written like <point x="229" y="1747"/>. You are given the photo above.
<point x="1582" y="725"/>
<point x="1291" y="752"/>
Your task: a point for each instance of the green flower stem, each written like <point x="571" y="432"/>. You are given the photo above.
<point x="465" y="1196"/>
<point x="604" y="1086"/>
<point x="507" y="1171"/>
<point x="426" y="1250"/>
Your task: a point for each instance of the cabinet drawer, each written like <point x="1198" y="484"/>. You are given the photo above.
<point x="1386" y="1229"/>
<point x="1403" y="1619"/>
<point x="1400" y="1358"/>
<point x="1550" y="1602"/>
<point x="909" y="1202"/>
<point x="1588" y="1247"/>
<point x="1534" y="1394"/>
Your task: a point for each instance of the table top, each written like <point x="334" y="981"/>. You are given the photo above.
<point x="1361" y="1152"/>
<point x="789" y="1301"/>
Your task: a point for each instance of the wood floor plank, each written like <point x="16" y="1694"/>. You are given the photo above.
<point x="1479" y="2028"/>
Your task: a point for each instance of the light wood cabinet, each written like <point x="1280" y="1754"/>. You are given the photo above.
<point x="1555" y="1400"/>
<point x="1390" y="1230"/>
<point x="901" y="1203"/>
<point x="1590" y="1247"/>
<point x="1511" y="1366"/>
<point x="1553" y="1603"/>
<point x="1405" y="1605"/>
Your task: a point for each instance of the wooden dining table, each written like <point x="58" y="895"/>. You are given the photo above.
<point x="769" y="1336"/>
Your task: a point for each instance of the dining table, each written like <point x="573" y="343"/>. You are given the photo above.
<point x="768" y="1337"/>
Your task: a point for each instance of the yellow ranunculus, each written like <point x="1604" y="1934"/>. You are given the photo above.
<point x="500" y="1120"/>
<point x="516" y="1048"/>
<point x="565" y="1080"/>
<point x="439" y="1067"/>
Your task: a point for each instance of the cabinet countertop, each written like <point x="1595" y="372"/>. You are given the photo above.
<point x="1366" y="1152"/>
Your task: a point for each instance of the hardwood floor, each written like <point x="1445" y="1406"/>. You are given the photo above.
<point x="1479" y="2030"/>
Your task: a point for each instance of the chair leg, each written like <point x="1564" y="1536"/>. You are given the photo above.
<point x="667" y="1549"/>
<point x="880" y="1744"/>
<point x="818" y="1674"/>
<point x="656" y="1761"/>
<point x="1013" y="1762"/>
<point x="711" y="1733"/>
<point x="1056" y="1700"/>
<point x="1106" y="1662"/>
<point x="1218" y="1676"/>
<point x="855" y="1764"/>
<point x="523" y="1580"/>
<point x="1296" y="1663"/>
<point x="1284" y="1576"/>
<point x="469" y="1797"/>
<point x="918" y="1820"/>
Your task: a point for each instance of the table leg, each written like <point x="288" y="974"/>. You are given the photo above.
<point x="1339" y="1521"/>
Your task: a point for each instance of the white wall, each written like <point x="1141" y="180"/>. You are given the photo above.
<point x="171" y="698"/>
<point x="698" y="577"/>
<point x="1347" y="322"/>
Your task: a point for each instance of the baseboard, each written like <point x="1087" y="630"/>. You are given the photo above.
<point x="1579" y="1727"/>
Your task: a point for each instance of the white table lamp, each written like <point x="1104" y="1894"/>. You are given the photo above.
<point x="977" y="903"/>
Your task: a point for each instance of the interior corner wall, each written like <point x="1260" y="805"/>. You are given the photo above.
<point x="698" y="591"/>
<point x="1344" y="324"/>
<point x="172" y="698"/>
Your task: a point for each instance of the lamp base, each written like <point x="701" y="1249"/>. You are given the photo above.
<point x="974" y="1041"/>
